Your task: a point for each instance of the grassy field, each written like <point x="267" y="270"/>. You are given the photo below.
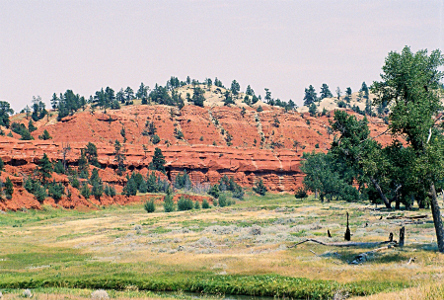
<point x="243" y="249"/>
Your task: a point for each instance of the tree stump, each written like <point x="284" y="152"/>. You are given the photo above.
<point x="347" y="235"/>
<point x="401" y="237"/>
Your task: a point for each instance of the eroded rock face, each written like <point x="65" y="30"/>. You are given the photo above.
<point x="216" y="141"/>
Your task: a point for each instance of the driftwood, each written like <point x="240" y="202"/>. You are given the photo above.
<point x="407" y="217"/>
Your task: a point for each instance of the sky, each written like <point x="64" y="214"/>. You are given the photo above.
<point x="51" y="46"/>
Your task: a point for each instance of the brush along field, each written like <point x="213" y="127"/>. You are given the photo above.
<point x="244" y="249"/>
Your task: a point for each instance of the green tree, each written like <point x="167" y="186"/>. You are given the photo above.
<point x="9" y="188"/>
<point x="158" y="162"/>
<point x="168" y="203"/>
<point x="198" y="96"/>
<point x="31" y="126"/>
<point x="411" y="84"/>
<point x="91" y="154"/>
<point x="228" y="100"/>
<point x="44" y="169"/>
<point x="5" y="112"/>
<point x="325" y="91"/>
<point x="235" y="88"/>
<point x="260" y="188"/>
<point x="45" y="135"/>
<point x="119" y="158"/>
<point x="310" y="96"/>
<point x="312" y="109"/>
<point x="348" y="93"/>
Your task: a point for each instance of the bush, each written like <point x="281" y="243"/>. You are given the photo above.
<point x="149" y="206"/>
<point x="143" y="188"/>
<point x="168" y="204"/>
<point x="205" y="204"/>
<point x="155" y="139"/>
<point x="131" y="188"/>
<point x="260" y="188"/>
<point x="214" y="191"/>
<point x="85" y="191"/>
<point x="300" y="193"/>
<point x="184" y="204"/>
<point x="58" y="167"/>
<point x="45" y="136"/>
<point x="197" y="205"/>
<point x="56" y="190"/>
<point x="9" y="188"/>
<point x="223" y="200"/>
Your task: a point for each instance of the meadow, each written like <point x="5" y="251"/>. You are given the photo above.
<point x="246" y="249"/>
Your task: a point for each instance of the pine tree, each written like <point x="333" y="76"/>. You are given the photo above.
<point x="9" y="188"/>
<point x="44" y="169"/>
<point x="325" y="91"/>
<point x="119" y="158"/>
<point x="158" y="162"/>
<point x="260" y="188"/>
<point x="310" y="96"/>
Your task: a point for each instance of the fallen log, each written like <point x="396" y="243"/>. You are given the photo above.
<point x="344" y="244"/>
<point x="363" y="257"/>
<point x="407" y="217"/>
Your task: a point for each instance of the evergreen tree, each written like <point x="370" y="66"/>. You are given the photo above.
<point x="312" y="109"/>
<point x="228" y="100"/>
<point x="158" y="162"/>
<point x="260" y="188"/>
<point x="91" y="154"/>
<point x="235" y="88"/>
<point x="5" y="112"/>
<point x="31" y="126"/>
<point x="129" y="95"/>
<point x="44" y="169"/>
<point x="119" y="158"/>
<point x="45" y="135"/>
<point x="142" y="92"/>
<point x="198" y="97"/>
<point x="54" y="101"/>
<point x="348" y="93"/>
<point x="310" y="96"/>
<point x="9" y="188"/>
<point x="325" y="91"/>
<point x="168" y="204"/>
<point x="249" y="91"/>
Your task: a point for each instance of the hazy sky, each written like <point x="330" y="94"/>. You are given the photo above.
<point x="52" y="46"/>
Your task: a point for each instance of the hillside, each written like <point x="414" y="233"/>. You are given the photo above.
<point x="208" y="142"/>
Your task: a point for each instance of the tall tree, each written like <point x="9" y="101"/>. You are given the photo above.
<point x="158" y="162"/>
<point x="411" y="84"/>
<point x="119" y="158"/>
<point x="235" y="87"/>
<point x="325" y="91"/>
<point x="44" y="169"/>
<point x="5" y="112"/>
<point x="310" y="96"/>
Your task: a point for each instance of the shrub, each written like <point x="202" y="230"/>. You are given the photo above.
<point x="9" y="188"/>
<point x="56" y="190"/>
<point x="300" y="193"/>
<point x="182" y="181"/>
<point x="130" y="188"/>
<point x="197" y="205"/>
<point x="260" y="188"/>
<point x="214" y="191"/>
<point x="58" y="167"/>
<point x="85" y="191"/>
<point x="149" y="206"/>
<point x="155" y="139"/>
<point x="143" y="188"/>
<point x="75" y="183"/>
<point x="184" y="204"/>
<point x="223" y="200"/>
<point x="205" y="204"/>
<point x="45" y="136"/>
<point x="168" y="204"/>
